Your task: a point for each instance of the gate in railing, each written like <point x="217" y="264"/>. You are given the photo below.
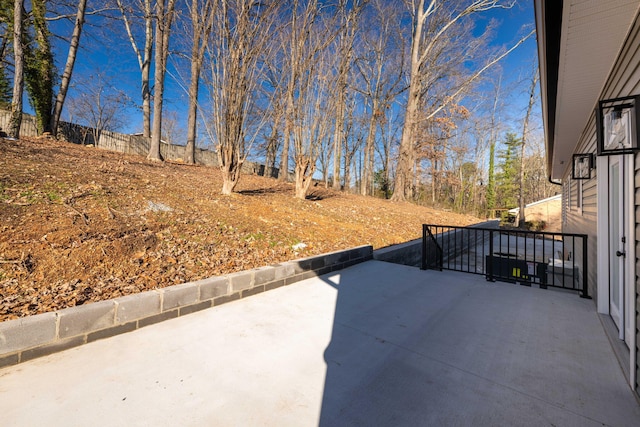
<point x="517" y="256"/>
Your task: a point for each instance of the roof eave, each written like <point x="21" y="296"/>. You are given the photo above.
<point x="548" y="17"/>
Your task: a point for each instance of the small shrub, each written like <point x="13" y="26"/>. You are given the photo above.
<point x="536" y="225"/>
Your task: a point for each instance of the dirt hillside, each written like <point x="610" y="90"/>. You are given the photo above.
<point x="79" y="224"/>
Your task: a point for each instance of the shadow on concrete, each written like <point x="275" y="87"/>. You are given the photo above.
<point x="410" y="347"/>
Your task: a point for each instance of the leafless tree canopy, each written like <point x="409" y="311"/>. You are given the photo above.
<point x="380" y="97"/>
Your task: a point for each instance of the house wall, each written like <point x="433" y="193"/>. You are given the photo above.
<point x="580" y="208"/>
<point x="624" y="80"/>
<point x="548" y="211"/>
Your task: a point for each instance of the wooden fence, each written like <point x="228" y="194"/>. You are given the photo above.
<point x="124" y="143"/>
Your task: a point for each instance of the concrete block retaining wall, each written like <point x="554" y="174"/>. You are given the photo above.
<point x="35" y="336"/>
<point x="409" y="253"/>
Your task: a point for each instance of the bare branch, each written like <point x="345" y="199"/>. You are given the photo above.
<point x="73" y="15"/>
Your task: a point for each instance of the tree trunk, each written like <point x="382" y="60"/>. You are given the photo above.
<point x="227" y="185"/>
<point x="192" y="119"/>
<point x="145" y="70"/>
<point x="18" y="81"/>
<point x="288" y="128"/>
<point x="201" y="30"/>
<point x="68" y="68"/>
<point x="525" y="130"/>
<point x="325" y="177"/>
<point x="303" y="177"/>
<point x="163" y="28"/>
<point x="272" y="149"/>
<point x="402" y="183"/>
<point x="230" y="178"/>
<point x="347" y="174"/>
<point x="230" y="167"/>
<point x="338" y="135"/>
<point x="405" y="154"/>
<point x="143" y="61"/>
<point x="283" y="174"/>
<point x="337" y="138"/>
<point x="367" y="171"/>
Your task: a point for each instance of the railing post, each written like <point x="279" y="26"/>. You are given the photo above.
<point x="585" y="269"/>
<point x="424" y="247"/>
<point x="489" y="258"/>
<point x="440" y="252"/>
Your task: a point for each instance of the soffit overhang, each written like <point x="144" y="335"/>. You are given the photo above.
<point x="578" y="43"/>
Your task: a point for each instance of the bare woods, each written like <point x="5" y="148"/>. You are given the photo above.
<point x="369" y="96"/>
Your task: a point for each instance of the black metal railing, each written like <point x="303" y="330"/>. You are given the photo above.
<point x="525" y="257"/>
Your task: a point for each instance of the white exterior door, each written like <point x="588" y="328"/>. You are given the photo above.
<point x="617" y="253"/>
<point x="620" y="250"/>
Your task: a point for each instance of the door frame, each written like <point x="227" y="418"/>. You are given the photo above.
<point x="603" y="290"/>
<point x="618" y="210"/>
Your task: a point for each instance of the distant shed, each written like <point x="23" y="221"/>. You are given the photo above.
<point x="548" y="210"/>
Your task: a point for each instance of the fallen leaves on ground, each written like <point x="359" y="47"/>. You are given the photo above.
<point x="79" y="224"/>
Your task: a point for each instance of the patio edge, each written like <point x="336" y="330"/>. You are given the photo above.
<point x="35" y="336"/>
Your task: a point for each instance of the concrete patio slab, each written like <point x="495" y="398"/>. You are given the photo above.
<point x="374" y="344"/>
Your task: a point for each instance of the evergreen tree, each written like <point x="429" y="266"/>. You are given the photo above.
<point x="491" y="184"/>
<point x="507" y="178"/>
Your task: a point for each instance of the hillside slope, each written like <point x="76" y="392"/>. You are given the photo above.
<point x="79" y="224"/>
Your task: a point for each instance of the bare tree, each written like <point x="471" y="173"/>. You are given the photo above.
<point x="236" y="53"/>
<point x="313" y="120"/>
<point x="353" y="139"/>
<point x="18" y="75"/>
<point x="276" y="83"/>
<point x="143" y="55"/>
<point x="349" y="11"/>
<point x="98" y="105"/>
<point x="68" y="68"/>
<point x="307" y="70"/>
<point x="171" y="129"/>
<point x="390" y="132"/>
<point x="536" y="183"/>
<point x="434" y="137"/>
<point x="525" y="133"/>
<point x="164" y="20"/>
<point x="380" y="65"/>
<point x="300" y="46"/>
<point x="433" y="21"/>
<point x="271" y="146"/>
<point x="202" y="13"/>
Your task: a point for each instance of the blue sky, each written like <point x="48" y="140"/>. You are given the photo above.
<point x="107" y="50"/>
<point x="516" y="67"/>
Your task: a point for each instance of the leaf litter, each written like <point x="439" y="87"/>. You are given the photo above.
<point x="79" y="224"/>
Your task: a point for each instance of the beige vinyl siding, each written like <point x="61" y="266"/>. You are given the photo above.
<point x="624" y="80"/>
<point x="565" y="203"/>
<point x="585" y="220"/>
